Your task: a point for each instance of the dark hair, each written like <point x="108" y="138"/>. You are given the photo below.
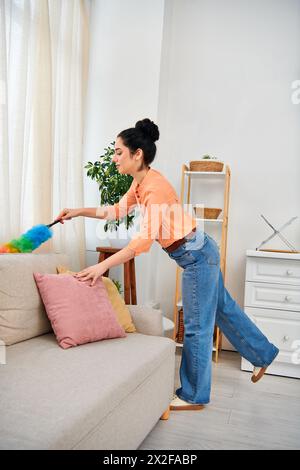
<point x="142" y="136"/>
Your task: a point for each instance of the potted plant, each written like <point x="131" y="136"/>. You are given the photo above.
<point x="112" y="186"/>
<point x="207" y="163"/>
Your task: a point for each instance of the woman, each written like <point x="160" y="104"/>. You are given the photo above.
<point x="205" y="299"/>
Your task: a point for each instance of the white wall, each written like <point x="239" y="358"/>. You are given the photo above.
<point x="223" y="87"/>
<point x="226" y="90"/>
<point x="125" y="49"/>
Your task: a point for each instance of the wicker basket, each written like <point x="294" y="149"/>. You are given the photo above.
<point x="207" y="212"/>
<point x="206" y="165"/>
<point x="180" y="331"/>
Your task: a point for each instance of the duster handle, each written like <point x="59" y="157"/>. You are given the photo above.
<point x="53" y="223"/>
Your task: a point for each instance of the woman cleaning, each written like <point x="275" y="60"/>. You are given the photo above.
<point x="205" y="300"/>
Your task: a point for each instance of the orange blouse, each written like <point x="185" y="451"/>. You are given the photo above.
<point x="163" y="217"/>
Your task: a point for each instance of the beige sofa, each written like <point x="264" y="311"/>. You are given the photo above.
<point x="103" y="395"/>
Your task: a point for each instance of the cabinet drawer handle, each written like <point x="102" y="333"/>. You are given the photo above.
<point x="289" y="272"/>
<point x="288" y="298"/>
<point x="285" y="338"/>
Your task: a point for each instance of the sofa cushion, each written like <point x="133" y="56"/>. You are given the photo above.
<point x="118" y="304"/>
<point x="51" y="398"/>
<point x="78" y="313"/>
<point x="22" y="314"/>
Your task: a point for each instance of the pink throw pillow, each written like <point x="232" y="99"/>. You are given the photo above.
<point x="78" y="314"/>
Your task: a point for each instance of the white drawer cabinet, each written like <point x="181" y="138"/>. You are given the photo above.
<point x="273" y="270"/>
<point x="272" y="301"/>
<point x="283" y="297"/>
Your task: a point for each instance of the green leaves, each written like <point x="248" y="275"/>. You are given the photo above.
<point x="118" y="285"/>
<point x="112" y="185"/>
<point x="208" y="157"/>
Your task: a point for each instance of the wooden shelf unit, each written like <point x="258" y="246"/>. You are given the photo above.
<point x="186" y="178"/>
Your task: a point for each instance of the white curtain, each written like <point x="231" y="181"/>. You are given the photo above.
<point x="43" y="73"/>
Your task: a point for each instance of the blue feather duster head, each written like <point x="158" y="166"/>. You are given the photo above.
<point x="29" y="241"/>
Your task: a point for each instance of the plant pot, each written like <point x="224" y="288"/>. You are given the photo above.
<point x="206" y="165"/>
<point x="207" y="212"/>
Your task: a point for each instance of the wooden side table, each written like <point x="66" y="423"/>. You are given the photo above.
<point x="129" y="273"/>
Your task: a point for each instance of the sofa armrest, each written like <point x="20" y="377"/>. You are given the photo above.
<point x="148" y="321"/>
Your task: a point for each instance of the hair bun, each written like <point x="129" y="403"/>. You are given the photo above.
<point x="148" y="128"/>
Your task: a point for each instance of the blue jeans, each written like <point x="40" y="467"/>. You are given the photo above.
<point x="207" y="302"/>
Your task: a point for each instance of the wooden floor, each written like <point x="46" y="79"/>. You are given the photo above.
<point x="241" y="415"/>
